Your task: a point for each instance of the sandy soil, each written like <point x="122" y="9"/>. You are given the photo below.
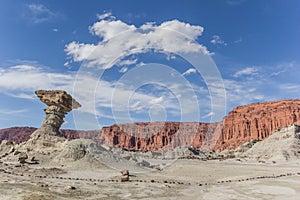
<point x="184" y="179"/>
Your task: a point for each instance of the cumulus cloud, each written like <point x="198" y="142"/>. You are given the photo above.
<point x="246" y="72"/>
<point x="216" y="39"/>
<point x="118" y="39"/>
<point x="189" y="71"/>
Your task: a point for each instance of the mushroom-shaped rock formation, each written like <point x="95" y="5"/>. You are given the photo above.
<point x="59" y="104"/>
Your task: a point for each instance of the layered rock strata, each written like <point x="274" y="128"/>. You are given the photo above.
<point x="256" y="122"/>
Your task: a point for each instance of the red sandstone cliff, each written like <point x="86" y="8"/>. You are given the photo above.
<point x="257" y="121"/>
<point x="244" y="123"/>
<point x="155" y="135"/>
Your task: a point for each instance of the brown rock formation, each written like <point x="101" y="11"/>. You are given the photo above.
<point x="59" y="104"/>
<point x="16" y="134"/>
<point x="22" y="134"/>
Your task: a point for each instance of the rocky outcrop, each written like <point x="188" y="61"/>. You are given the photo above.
<point x="282" y="145"/>
<point x="257" y="121"/>
<point x="16" y="134"/>
<point x="59" y="104"/>
<point x="156" y="135"/>
<point x="243" y="124"/>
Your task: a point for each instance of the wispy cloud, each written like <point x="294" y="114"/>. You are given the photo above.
<point x="290" y="87"/>
<point x="208" y="115"/>
<point x="189" y="71"/>
<point x="246" y="72"/>
<point x="157" y="100"/>
<point x="123" y="69"/>
<point x="12" y="112"/>
<point x="39" y="13"/>
<point x="238" y="40"/>
<point x="283" y="67"/>
<point x="217" y="40"/>
<point x="105" y="15"/>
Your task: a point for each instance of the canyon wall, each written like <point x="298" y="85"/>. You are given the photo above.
<point x="156" y="135"/>
<point x="257" y="121"/>
<point x="242" y="124"/>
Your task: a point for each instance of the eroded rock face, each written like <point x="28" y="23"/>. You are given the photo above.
<point x="156" y="135"/>
<point x="257" y="121"/>
<point x="58" y="98"/>
<point x="243" y="124"/>
<point x="59" y="104"/>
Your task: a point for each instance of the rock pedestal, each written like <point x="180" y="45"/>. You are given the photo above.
<point x="59" y="104"/>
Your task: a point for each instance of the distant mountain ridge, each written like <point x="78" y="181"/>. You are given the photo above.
<point x="244" y="123"/>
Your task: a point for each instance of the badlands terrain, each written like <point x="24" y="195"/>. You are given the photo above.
<point x="254" y="153"/>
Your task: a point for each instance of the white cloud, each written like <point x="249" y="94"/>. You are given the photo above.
<point x="30" y="78"/>
<point x="189" y="71"/>
<point x="105" y="16"/>
<point x="290" y="87"/>
<point x="284" y="67"/>
<point x="246" y="72"/>
<point x="55" y="30"/>
<point x="157" y="100"/>
<point x="216" y="39"/>
<point x="239" y="92"/>
<point x="126" y="62"/>
<point x="95" y="96"/>
<point x="136" y="106"/>
<point x="118" y="39"/>
<point x="208" y="114"/>
<point x="12" y="112"/>
<point x="239" y="40"/>
<point x="40" y="13"/>
<point x="123" y="69"/>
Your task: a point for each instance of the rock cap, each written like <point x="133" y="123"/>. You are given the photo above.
<point x="57" y="98"/>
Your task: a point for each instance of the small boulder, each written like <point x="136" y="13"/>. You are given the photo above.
<point x="22" y="157"/>
<point x="124" y="176"/>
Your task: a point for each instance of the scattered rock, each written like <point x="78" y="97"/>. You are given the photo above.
<point x="124" y="176"/>
<point x="22" y="157"/>
<point x="70" y="187"/>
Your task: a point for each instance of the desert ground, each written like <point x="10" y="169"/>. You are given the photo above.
<point x="184" y="179"/>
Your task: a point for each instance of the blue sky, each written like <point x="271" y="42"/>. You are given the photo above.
<point x="128" y="61"/>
